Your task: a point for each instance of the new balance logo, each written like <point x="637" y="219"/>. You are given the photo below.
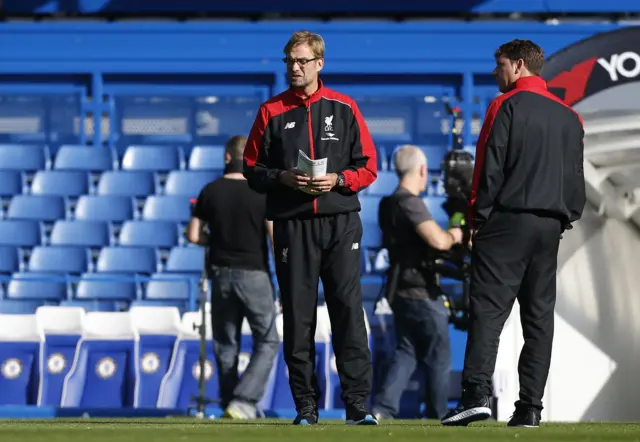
<point x="290" y="125"/>
<point x="355" y="246"/>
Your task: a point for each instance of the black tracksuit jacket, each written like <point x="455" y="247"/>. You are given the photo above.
<point x="529" y="156"/>
<point x="325" y="125"/>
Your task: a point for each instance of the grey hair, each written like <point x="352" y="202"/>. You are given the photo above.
<point x="408" y="158"/>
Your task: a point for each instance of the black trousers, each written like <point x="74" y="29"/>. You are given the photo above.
<point x="514" y="256"/>
<point x="327" y="248"/>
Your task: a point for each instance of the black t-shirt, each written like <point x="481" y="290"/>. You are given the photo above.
<point x="412" y="212"/>
<point x="236" y="218"/>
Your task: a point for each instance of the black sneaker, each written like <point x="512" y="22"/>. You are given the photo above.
<point x="468" y="412"/>
<point x="358" y="414"/>
<point x="307" y="414"/>
<point x="525" y="417"/>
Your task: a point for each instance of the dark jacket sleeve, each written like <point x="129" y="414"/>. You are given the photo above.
<point x="489" y="172"/>
<point x="577" y="199"/>
<point x="259" y="176"/>
<point x="363" y="169"/>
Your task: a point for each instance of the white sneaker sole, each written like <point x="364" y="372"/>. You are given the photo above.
<point x="468" y="416"/>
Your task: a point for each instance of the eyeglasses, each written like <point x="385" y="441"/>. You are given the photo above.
<point x="301" y="61"/>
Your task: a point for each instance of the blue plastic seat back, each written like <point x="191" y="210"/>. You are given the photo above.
<point x="385" y="184"/>
<point x="109" y="208"/>
<point x="47" y="208"/>
<point x="66" y="183"/>
<point x="369" y="205"/>
<point x="80" y="233"/>
<point x="188" y="183"/>
<point x="152" y="158"/>
<point x="37" y="286"/>
<point x="25" y="157"/>
<point x="19" y="373"/>
<point x="187" y="260"/>
<point x="167" y="208"/>
<point x="127" y="260"/>
<point x="11" y="183"/>
<point x="106" y="286"/>
<point x="171" y="286"/>
<point x="87" y="158"/>
<point x="153" y="358"/>
<point x="102" y="375"/>
<point x="20" y="233"/>
<point x="59" y="259"/>
<point x="435" y="206"/>
<point x="180" y="383"/>
<point x="161" y="234"/>
<point x="127" y="183"/>
<point x="9" y="259"/>
<point x="207" y="158"/>
<point x="58" y="353"/>
<point x="93" y="305"/>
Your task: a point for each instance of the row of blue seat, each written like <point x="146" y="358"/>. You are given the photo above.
<point x="31" y="158"/>
<point x="132" y="183"/>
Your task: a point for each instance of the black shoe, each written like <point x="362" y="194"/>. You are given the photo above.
<point x="307" y="413"/>
<point x="467" y="412"/>
<point x="358" y="414"/>
<point x="525" y="417"/>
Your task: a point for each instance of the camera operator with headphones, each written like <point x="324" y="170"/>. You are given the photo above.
<point x="421" y="314"/>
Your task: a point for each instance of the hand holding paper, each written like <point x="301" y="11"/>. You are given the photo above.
<point x="313" y="169"/>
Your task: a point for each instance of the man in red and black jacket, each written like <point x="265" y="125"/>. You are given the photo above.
<point x="528" y="187"/>
<point x="316" y="225"/>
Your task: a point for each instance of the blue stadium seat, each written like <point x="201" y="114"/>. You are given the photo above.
<point x="435" y="155"/>
<point x="67" y="183"/>
<point x="181" y="381"/>
<point x="127" y="260"/>
<point x="9" y="259"/>
<point x="46" y="208"/>
<point x="28" y="158"/>
<point x="161" y="234"/>
<point x="62" y="328"/>
<point x="157" y="328"/>
<point x="127" y="183"/>
<point x="37" y="286"/>
<point x="106" y="287"/>
<point x="188" y="260"/>
<point x="59" y="259"/>
<point x="85" y="158"/>
<point x="94" y="305"/>
<point x="19" y="347"/>
<point x="11" y="183"/>
<point x="167" y="208"/>
<point x="153" y="158"/>
<point x="102" y="373"/>
<point x="80" y="233"/>
<point x="369" y="208"/>
<point x="20" y="233"/>
<point x="188" y="183"/>
<point x="385" y="184"/>
<point x="207" y="158"/>
<point x="434" y="204"/>
<point x="171" y="286"/>
<point x="109" y="208"/>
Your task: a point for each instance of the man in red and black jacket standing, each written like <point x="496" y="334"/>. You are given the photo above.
<point x="316" y="225"/>
<point x="528" y="188"/>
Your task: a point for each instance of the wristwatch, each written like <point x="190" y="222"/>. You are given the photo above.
<point x="340" y="180"/>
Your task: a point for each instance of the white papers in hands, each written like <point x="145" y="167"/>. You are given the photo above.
<point x="313" y="168"/>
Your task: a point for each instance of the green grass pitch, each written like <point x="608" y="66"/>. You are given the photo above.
<point x="192" y="430"/>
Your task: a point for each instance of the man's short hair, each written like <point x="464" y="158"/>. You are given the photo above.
<point x="531" y="53"/>
<point x="408" y="158"/>
<point x="313" y="40"/>
<point x="235" y="147"/>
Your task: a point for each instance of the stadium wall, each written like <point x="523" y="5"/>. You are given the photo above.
<point x="89" y="57"/>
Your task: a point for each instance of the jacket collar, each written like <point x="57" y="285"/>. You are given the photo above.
<point x="532" y="82"/>
<point x="317" y="94"/>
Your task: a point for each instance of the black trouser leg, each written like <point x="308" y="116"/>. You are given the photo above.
<point x="499" y="258"/>
<point x="297" y="258"/>
<point x="340" y="275"/>
<point x="537" y="299"/>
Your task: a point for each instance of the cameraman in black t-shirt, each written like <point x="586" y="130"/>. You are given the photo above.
<point x="421" y="316"/>
<point x="241" y="284"/>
